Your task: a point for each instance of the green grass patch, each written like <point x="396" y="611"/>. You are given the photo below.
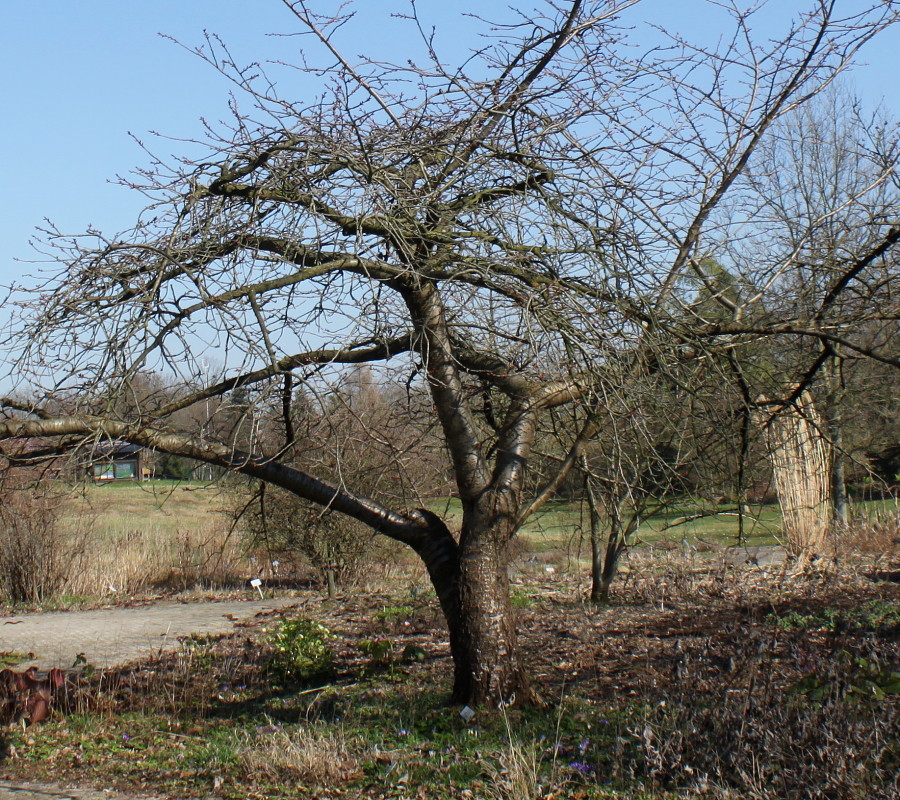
<point x="875" y="615"/>
<point x="393" y="613"/>
<point x="9" y="658"/>
<point x="554" y="526"/>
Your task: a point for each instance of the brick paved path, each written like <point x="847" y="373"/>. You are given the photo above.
<point x="108" y="638"/>
<point x="40" y="791"/>
<point x="113" y="636"/>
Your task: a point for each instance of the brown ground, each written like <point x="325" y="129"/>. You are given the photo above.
<point x="697" y="645"/>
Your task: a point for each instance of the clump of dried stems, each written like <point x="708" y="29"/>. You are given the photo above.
<point x="147" y="557"/>
<point x="800" y="458"/>
<point x="308" y="753"/>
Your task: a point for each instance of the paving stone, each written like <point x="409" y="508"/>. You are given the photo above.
<point x="114" y="636"/>
<point x="759" y="556"/>
<point x="36" y="791"/>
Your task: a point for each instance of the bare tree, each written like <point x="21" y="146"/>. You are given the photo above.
<point x="499" y="231"/>
<point x="827" y="180"/>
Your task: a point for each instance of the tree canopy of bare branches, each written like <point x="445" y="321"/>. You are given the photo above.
<point x="525" y="230"/>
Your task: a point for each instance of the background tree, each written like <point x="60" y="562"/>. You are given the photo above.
<point x="359" y="434"/>
<point x="496" y="232"/>
<point x="826" y="181"/>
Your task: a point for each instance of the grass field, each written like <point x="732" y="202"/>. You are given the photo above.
<point x="166" y="506"/>
<point x="559" y="522"/>
<point x="131" y="538"/>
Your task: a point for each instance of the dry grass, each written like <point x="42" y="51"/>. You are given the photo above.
<point x="523" y="770"/>
<point x="313" y="753"/>
<point x="122" y="507"/>
<point x="145" y="536"/>
<point x="146" y="558"/>
<point x="800" y="457"/>
<point x="873" y="545"/>
<point x="875" y="536"/>
<point x="517" y="773"/>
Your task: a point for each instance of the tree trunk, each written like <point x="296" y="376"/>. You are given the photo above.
<point x="604" y="577"/>
<point x="605" y="564"/>
<point x="838" y="479"/>
<point x="472" y="584"/>
<point x="599" y="591"/>
<point x="604" y="561"/>
<point x="488" y="656"/>
<point x="834" y="415"/>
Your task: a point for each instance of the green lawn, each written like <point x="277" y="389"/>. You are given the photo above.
<point x="556" y="524"/>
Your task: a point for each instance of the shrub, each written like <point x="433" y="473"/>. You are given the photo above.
<point x="36" y="555"/>
<point x="283" y="526"/>
<point x="301" y="651"/>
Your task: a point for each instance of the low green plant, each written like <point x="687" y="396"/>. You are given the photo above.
<point x="521" y="599"/>
<point x="9" y="658"/>
<point x="880" y="614"/>
<point x="851" y="675"/>
<point x="379" y="650"/>
<point x="393" y="613"/>
<point x="411" y="653"/>
<point x="795" y="621"/>
<point x="873" y="616"/>
<point x="301" y="653"/>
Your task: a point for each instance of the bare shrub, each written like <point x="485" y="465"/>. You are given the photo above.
<point x="877" y="536"/>
<point x="37" y="555"/>
<point x="789" y="748"/>
<point x="288" y="529"/>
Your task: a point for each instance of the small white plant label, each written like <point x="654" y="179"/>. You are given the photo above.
<point x="256" y="583"/>
<point x="466" y="713"/>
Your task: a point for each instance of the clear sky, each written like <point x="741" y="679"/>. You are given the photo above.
<point x="78" y="77"/>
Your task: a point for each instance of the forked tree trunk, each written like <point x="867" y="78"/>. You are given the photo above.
<point x="604" y="564"/>
<point x="472" y="583"/>
<point x="604" y="560"/>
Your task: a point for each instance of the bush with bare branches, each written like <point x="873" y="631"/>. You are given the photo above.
<point x="37" y="554"/>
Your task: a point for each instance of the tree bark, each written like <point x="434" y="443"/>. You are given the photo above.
<point x="834" y="415"/>
<point x="604" y="561"/>
<point x="472" y="584"/>
<point x="491" y="672"/>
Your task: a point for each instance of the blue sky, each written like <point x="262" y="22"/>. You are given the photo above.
<point x="78" y="77"/>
